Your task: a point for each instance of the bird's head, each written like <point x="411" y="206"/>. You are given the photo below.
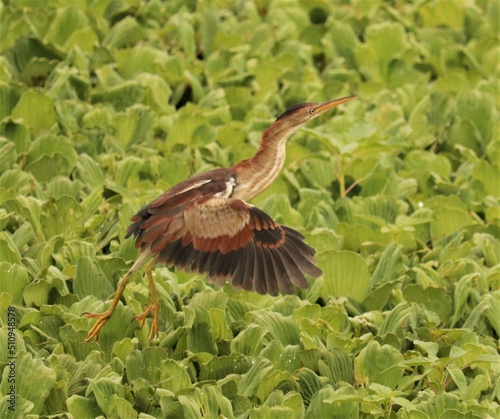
<point x="299" y="114"/>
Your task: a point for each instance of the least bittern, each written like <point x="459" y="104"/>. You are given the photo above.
<point x="205" y="225"/>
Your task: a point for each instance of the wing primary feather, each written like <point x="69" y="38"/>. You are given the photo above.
<point x="304" y="262"/>
<point x="298" y="239"/>
<point x="217" y="265"/>
<point x="246" y="271"/>
<point x="241" y="267"/>
<point x="259" y="279"/>
<point x="281" y="279"/>
<point x="185" y="256"/>
<point x="294" y="233"/>
<point x="209" y="260"/>
<point x="294" y="273"/>
<point x="167" y="255"/>
<point x="253" y="268"/>
<point x="200" y="261"/>
<point x="230" y="262"/>
<point x="267" y="279"/>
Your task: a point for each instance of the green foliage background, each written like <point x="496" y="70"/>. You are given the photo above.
<point x="104" y="104"/>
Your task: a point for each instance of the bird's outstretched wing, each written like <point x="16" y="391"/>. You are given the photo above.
<point x="227" y="238"/>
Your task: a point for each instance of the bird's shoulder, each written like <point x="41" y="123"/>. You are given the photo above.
<point x="203" y="186"/>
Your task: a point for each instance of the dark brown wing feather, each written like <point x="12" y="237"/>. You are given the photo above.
<point x="266" y="257"/>
<point x="253" y="267"/>
<point x="194" y="229"/>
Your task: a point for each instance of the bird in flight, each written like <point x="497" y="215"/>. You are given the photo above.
<point x="205" y="224"/>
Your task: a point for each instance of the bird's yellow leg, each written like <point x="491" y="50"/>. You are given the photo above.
<point x="152" y="307"/>
<point x="102" y="318"/>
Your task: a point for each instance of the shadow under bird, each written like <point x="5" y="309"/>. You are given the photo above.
<point x="205" y="224"/>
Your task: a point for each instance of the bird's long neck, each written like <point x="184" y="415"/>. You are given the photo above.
<point x="258" y="172"/>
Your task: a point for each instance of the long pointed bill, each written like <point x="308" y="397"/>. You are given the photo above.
<point x="323" y="107"/>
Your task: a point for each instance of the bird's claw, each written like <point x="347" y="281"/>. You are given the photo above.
<point x="141" y="318"/>
<point x="102" y="318"/>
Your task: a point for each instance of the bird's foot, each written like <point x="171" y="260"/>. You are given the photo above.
<point x="141" y="318"/>
<point x="102" y="318"/>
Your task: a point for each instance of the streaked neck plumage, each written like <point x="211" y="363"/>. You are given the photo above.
<point x="255" y="174"/>
<point x="258" y="172"/>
